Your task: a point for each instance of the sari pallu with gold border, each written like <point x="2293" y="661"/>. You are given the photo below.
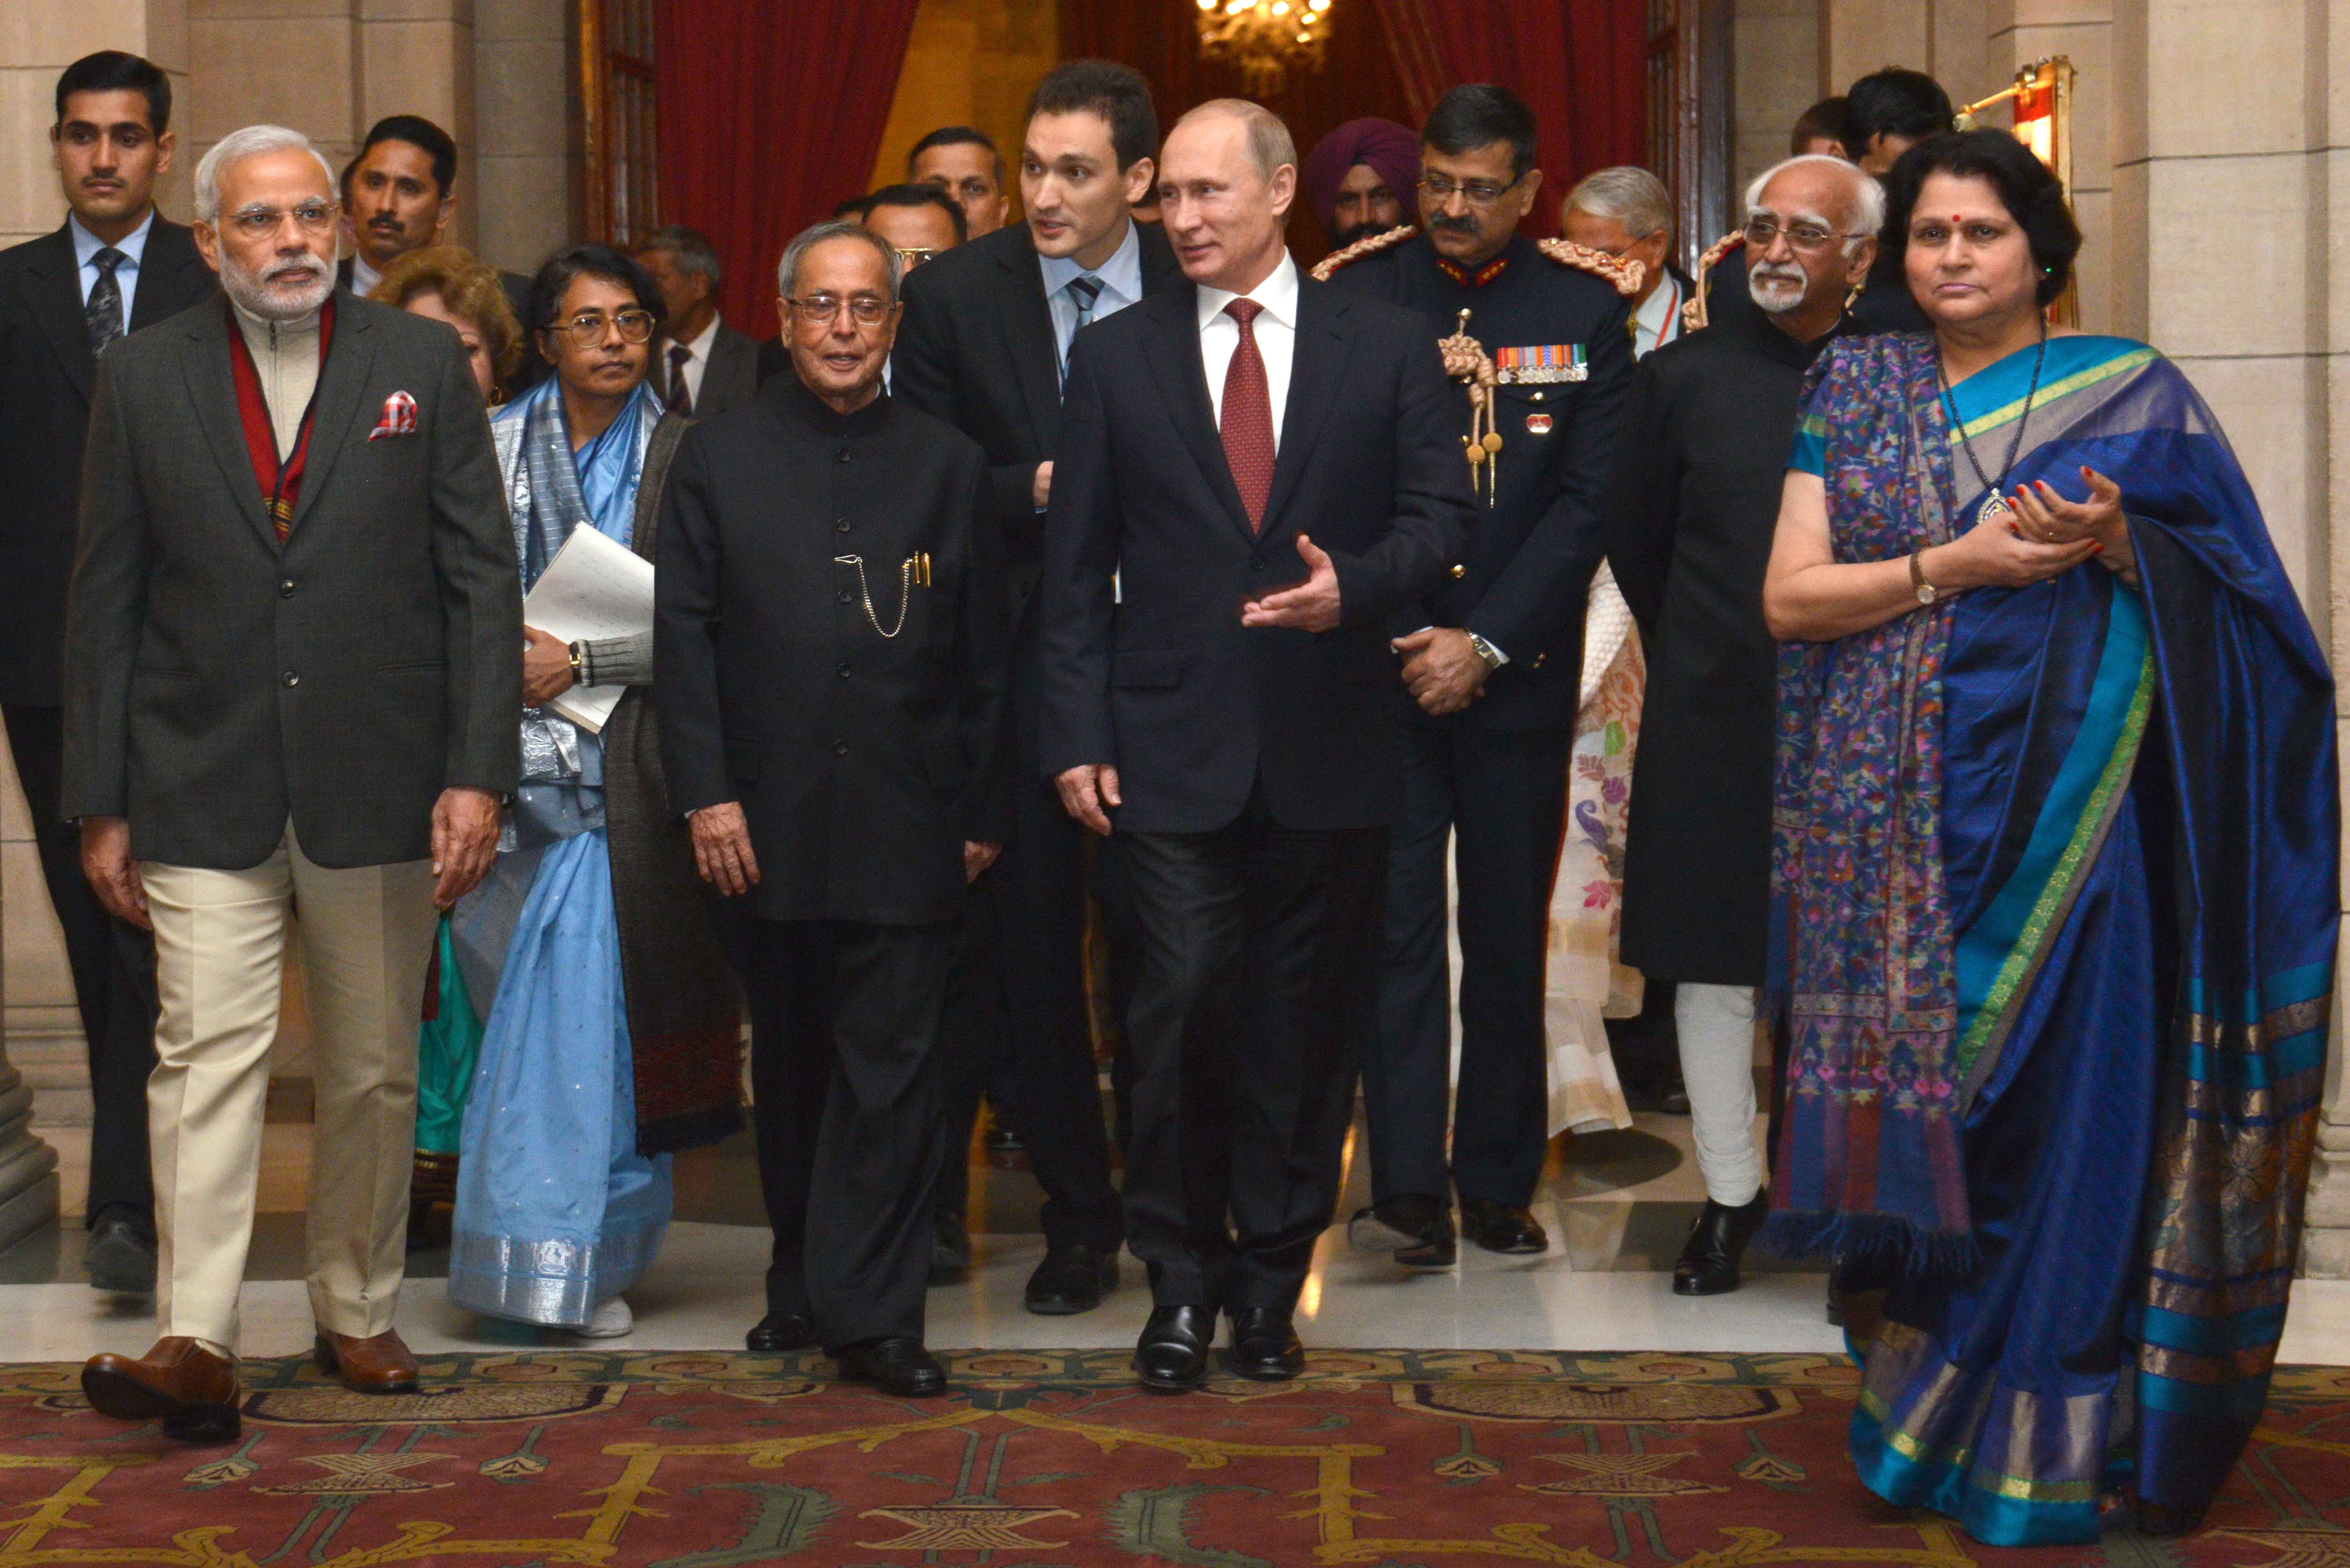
<point x="2054" y="922"/>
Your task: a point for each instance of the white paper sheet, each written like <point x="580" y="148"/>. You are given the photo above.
<point x="594" y="588"/>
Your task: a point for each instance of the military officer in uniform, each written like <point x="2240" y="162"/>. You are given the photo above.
<point x="1490" y="666"/>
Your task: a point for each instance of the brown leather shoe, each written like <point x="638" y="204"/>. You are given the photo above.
<point x="188" y="1388"/>
<point x="379" y="1364"/>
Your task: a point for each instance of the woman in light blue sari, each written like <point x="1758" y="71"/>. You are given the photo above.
<point x="560" y="1204"/>
<point x="2053" y="885"/>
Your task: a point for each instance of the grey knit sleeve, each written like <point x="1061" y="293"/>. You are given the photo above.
<point x="617" y="660"/>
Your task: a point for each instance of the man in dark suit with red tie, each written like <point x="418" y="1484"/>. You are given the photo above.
<point x="115" y="266"/>
<point x="1234" y="726"/>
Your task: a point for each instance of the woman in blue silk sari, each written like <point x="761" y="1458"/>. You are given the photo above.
<point x="2054" y="887"/>
<point x="557" y="1212"/>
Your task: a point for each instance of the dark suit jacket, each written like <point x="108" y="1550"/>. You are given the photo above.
<point x="1159" y="678"/>
<point x="863" y="763"/>
<point x="977" y="350"/>
<point x="732" y="377"/>
<point x="46" y="372"/>
<point x="533" y="368"/>
<point x="217" y="683"/>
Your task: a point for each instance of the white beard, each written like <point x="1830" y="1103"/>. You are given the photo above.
<point x="274" y="301"/>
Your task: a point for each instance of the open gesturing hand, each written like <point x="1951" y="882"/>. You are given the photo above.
<point x="1311" y="606"/>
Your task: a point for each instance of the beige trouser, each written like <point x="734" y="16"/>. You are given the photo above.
<point x="220" y="945"/>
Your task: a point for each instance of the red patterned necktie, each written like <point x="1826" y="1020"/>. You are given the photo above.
<point x="1247" y="422"/>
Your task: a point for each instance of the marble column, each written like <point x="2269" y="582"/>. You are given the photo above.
<point x="527" y="182"/>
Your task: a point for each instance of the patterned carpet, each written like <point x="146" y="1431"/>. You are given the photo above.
<point x="1393" y="1458"/>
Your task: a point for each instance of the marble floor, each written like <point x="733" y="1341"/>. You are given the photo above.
<point x="1617" y="1206"/>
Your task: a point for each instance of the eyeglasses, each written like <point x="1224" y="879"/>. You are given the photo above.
<point x="1476" y="193"/>
<point x="588" y="328"/>
<point x="1804" y="239"/>
<point x="865" y="309"/>
<point x="914" y="256"/>
<point x="258" y="222"/>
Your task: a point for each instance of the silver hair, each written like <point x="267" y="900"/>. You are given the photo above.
<point x="1269" y="142"/>
<point x="690" y="248"/>
<point x="239" y="145"/>
<point x="1868" y="195"/>
<point x="1631" y="195"/>
<point x="893" y="267"/>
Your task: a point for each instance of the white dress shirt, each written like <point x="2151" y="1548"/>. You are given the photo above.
<point x="1276" y="338"/>
<point x="363" y="277"/>
<point x="697" y="365"/>
<point x="132" y="245"/>
<point x="1659" y="320"/>
<point x="1121" y="281"/>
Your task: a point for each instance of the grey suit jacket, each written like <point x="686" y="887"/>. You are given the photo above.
<point x="729" y="381"/>
<point x="218" y="683"/>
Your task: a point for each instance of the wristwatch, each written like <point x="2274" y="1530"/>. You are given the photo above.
<point x="1486" y="651"/>
<point x="1926" y="592"/>
<point x="579" y="654"/>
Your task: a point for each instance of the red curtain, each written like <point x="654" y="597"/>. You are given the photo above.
<point x="1582" y="64"/>
<point x="771" y="112"/>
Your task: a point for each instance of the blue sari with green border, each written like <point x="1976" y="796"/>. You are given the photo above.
<point x="2055" y="919"/>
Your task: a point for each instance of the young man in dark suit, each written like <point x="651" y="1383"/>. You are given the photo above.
<point x="115" y="266"/>
<point x="1239" y="735"/>
<point x="829" y="630"/>
<point x="293" y="664"/>
<point x="703" y="365"/>
<point x="988" y="329"/>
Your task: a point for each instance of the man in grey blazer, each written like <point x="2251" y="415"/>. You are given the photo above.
<point x="293" y="669"/>
<point x="702" y="366"/>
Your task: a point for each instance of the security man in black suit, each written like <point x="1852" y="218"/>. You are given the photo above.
<point x="829" y="633"/>
<point x="117" y="265"/>
<point x="1256" y="470"/>
<point x="399" y="196"/>
<point x="988" y="329"/>
<point x="1492" y="664"/>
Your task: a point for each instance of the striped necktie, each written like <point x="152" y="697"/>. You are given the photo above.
<point x="1084" y="292"/>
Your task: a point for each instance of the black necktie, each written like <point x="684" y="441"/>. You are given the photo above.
<point x="103" y="310"/>
<point x="680" y="401"/>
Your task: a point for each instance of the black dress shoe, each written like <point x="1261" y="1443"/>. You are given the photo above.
<point x="1171" y="1357"/>
<point x="780" y="1330"/>
<point x="894" y="1365"/>
<point x="1415" y="1228"/>
<point x="121" y="1253"/>
<point x="1264" y="1347"/>
<point x="1071" y="1279"/>
<point x="1708" y="1264"/>
<point x="1502" y="1227"/>
<point x="950" y="1249"/>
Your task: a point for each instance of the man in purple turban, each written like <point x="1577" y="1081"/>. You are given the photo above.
<point x="1360" y="178"/>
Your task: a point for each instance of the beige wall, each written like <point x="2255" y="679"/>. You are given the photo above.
<point x="970" y="62"/>
<point x="526" y="192"/>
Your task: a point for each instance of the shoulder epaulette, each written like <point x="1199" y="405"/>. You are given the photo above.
<point x="1624" y="274"/>
<point x="1693" y="308"/>
<point x="1369" y="245"/>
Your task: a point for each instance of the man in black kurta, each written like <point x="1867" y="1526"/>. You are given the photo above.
<point x="1689" y="513"/>
<point x="829" y="633"/>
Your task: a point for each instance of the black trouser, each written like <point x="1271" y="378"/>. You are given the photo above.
<point x="845" y="1071"/>
<point x="1251" y="1006"/>
<point x="113" y="968"/>
<point x="1501" y="795"/>
<point x="1020" y="970"/>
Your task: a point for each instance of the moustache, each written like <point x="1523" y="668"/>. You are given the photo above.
<point x="1454" y="225"/>
<point x="307" y="266"/>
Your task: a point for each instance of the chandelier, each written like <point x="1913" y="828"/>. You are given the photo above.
<point x="1264" y="38"/>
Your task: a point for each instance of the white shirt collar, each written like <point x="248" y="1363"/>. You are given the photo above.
<point x="1656" y="323"/>
<point x="1277" y="294"/>
<point x="363" y="277"/>
<point x="1122" y="272"/>
<point x="132" y="245"/>
<point x="700" y="347"/>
